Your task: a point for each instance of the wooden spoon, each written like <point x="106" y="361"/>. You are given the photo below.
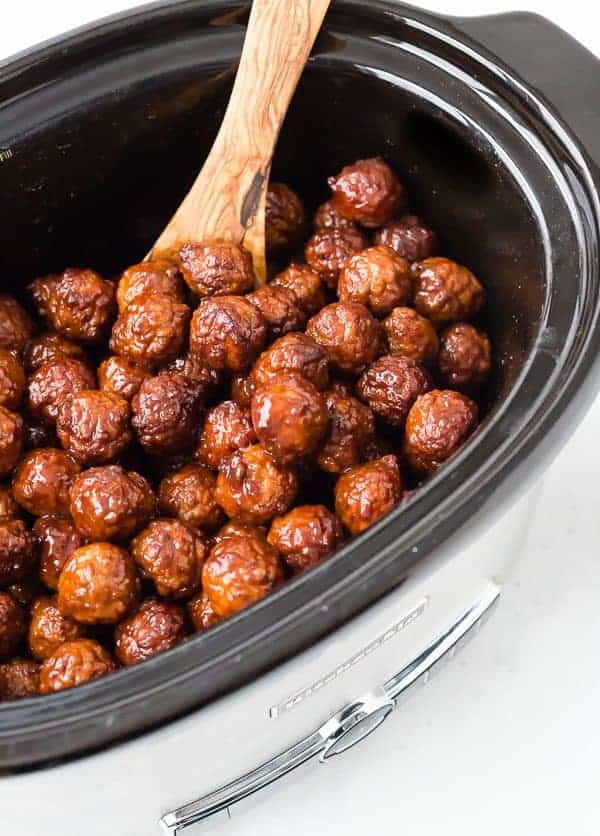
<point x="228" y="198"/>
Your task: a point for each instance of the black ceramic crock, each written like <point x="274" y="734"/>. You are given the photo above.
<point x="493" y="123"/>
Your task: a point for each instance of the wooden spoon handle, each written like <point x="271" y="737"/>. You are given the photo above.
<point x="227" y="199"/>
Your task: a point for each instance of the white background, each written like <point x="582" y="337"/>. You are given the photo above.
<point x="505" y="741"/>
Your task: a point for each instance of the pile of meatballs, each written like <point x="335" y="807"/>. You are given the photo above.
<point x="175" y="444"/>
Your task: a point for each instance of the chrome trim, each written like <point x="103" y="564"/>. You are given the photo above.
<point x="346" y="728"/>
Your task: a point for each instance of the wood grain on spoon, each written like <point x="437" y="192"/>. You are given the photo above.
<point x="228" y="198"/>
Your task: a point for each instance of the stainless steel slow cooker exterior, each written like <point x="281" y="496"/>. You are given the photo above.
<point x="502" y="159"/>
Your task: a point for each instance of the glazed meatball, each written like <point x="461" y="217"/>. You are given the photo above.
<point x="305" y="536"/>
<point x="12" y="380"/>
<point x="171" y="553"/>
<point x="377" y="278"/>
<point x="351" y="425"/>
<point x="241" y="390"/>
<point x="8" y="505"/>
<point x="55" y="382"/>
<point x="19" y="679"/>
<point x="368" y="492"/>
<point x="279" y="308"/>
<point x="410" y="335"/>
<point x="446" y="292"/>
<point x="239" y="571"/>
<point x="293" y="354"/>
<point x="216" y="268"/>
<point x="166" y="413"/>
<point x="78" y="304"/>
<point x="328" y="217"/>
<point x="465" y="358"/>
<point x="328" y="250"/>
<point x="50" y="346"/>
<point x="12" y="438"/>
<point x="120" y="377"/>
<point x="391" y="385"/>
<point x="49" y="628"/>
<point x="228" y="333"/>
<point x="196" y="369"/>
<point x="16" y="326"/>
<point x="285" y="217"/>
<point x="409" y="237"/>
<point x="201" y="612"/>
<point x="43" y="481"/>
<point x="151" y="330"/>
<point x="289" y="417"/>
<point x="227" y="428"/>
<point x="189" y="495"/>
<point x="437" y="425"/>
<point x="348" y="333"/>
<point x="98" y="584"/>
<point x="74" y="663"/>
<point x="155" y="276"/>
<point x="57" y="539"/>
<point x="110" y="503"/>
<point x="155" y="627"/>
<point x="368" y="192"/>
<point x="94" y="426"/>
<point x="13" y="626"/>
<point x="38" y="434"/>
<point x="305" y="283"/>
<point x="252" y="488"/>
<point x="17" y="551"/>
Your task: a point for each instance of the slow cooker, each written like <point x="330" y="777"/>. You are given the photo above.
<point x="494" y="125"/>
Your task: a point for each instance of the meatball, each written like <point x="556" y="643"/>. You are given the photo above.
<point x="293" y="354"/>
<point x="437" y="425"/>
<point x="305" y="283"/>
<point x="279" y="308"/>
<point x="151" y="330"/>
<point x="351" y="425"/>
<point x="53" y="383"/>
<point x="328" y="217"/>
<point x="227" y="428"/>
<point x="368" y="192"/>
<point x="252" y="488"/>
<point x="391" y="385"/>
<point x="39" y="434"/>
<point x="377" y="278"/>
<point x="328" y="250"/>
<point x="110" y="503"/>
<point x="8" y="505"/>
<point x="13" y="626"/>
<point x="43" y="481"/>
<point x="196" y="369"/>
<point x="189" y="495"/>
<point x="94" y="426"/>
<point x="216" y="268"/>
<point x="289" y="417"/>
<point x="201" y="612"/>
<point x="366" y="493"/>
<point x="79" y="304"/>
<point x="446" y="292"/>
<point x="19" y="679"/>
<point x="12" y="380"/>
<point x="410" y="335"/>
<point x="465" y="358"/>
<point x="305" y="536"/>
<point x="74" y="663"/>
<point x="12" y="438"/>
<point x="118" y="376"/>
<point x="49" y="628"/>
<point x="240" y="570"/>
<point x="348" y="333"/>
<point x="16" y="326"/>
<point x="171" y="553"/>
<point x="98" y="584"/>
<point x="57" y="539"/>
<point x="241" y="390"/>
<point x="409" y="237"/>
<point x="155" y="627"/>
<point x="50" y="346"/>
<point x="285" y="216"/>
<point x="228" y="333"/>
<point x="155" y="276"/>
<point x="166" y="413"/>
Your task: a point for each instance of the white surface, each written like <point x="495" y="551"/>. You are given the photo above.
<point x="505" y="741"/>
